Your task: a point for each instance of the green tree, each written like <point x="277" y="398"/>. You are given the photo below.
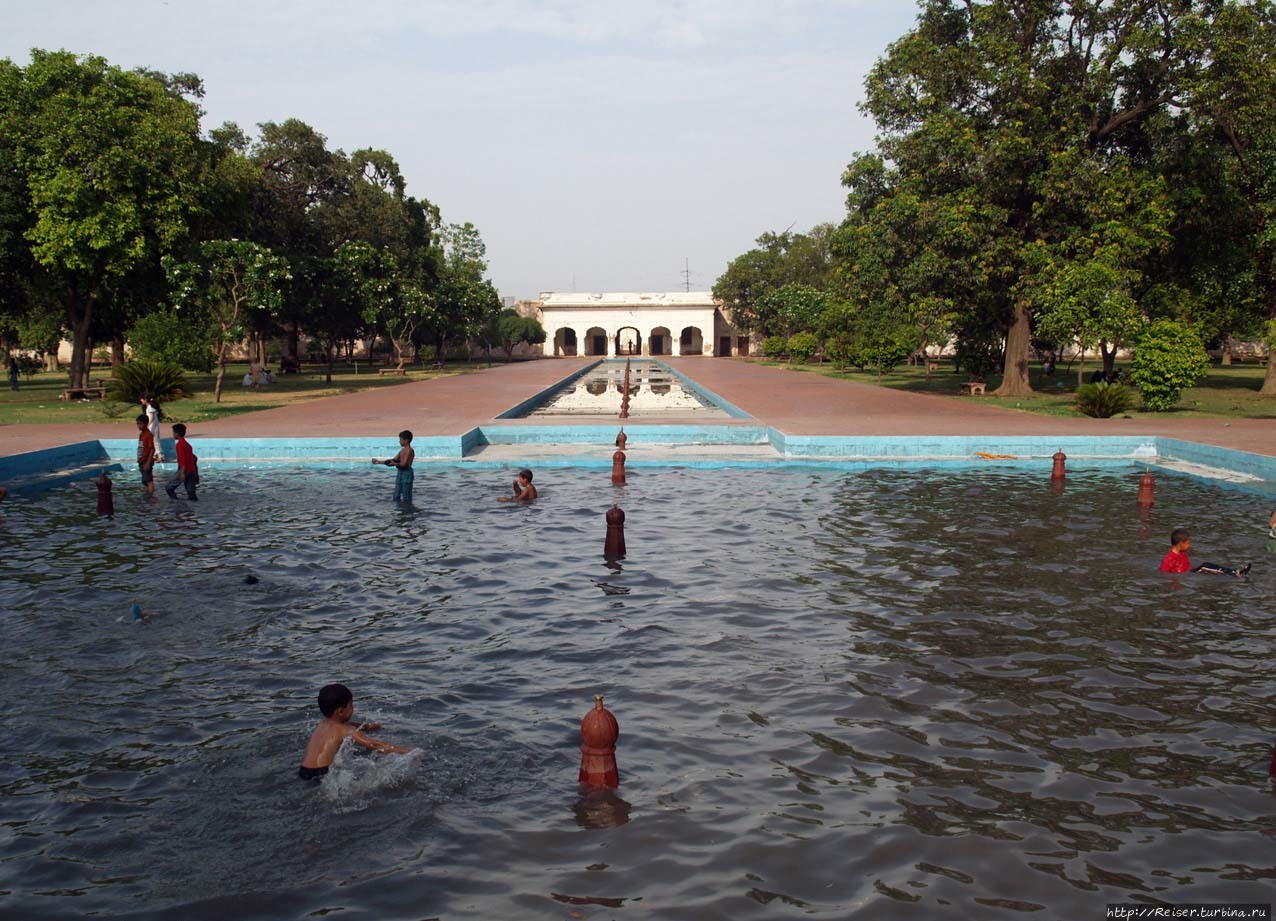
<point x="224" y="282"/>
<point x="111" y="166"/>
<point x="166" y="337"/>
<point x="777" y="260"/>
<point x="1168" y="359"/>
<point x="390" y="300"/>
<point x="512" y="328"/>
<point x="981" y="106"/>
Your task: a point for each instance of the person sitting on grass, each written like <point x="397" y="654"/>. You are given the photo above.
<point x="1176" y="560"/>
<point x="336" y="703"/>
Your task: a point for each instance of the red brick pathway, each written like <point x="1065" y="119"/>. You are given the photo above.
<point x="793" y="402"/>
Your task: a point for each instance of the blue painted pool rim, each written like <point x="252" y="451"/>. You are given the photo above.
<point x="36" y="471"/>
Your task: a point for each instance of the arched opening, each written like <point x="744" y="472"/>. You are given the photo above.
<point x="596" y="388"/>
<point x="660" y="343"/>
<point x="691" y="341"/>
<point x="628" y="341"/>
<point x="565" y="342"/>
<point x="595" y="341"/>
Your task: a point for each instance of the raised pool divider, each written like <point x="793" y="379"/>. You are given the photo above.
<point x="37" y="471"/>
<point x="537" y="400"/>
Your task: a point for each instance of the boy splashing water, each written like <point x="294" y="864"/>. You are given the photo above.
<point x="1176" y="560"/>
<point x="336" y="703"/>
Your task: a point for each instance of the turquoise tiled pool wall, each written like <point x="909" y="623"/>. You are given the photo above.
<point x="297" y="449"/>
<point x="535" y="400"/>
<point x="1259" y="465"/>
<point x="923" y="447"/>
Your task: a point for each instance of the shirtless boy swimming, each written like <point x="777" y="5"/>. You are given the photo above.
<point x="337" y="705"/>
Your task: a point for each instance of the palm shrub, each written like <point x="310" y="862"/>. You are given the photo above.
<point x="1103" y="401"/>
<point x="774" y="346"/>
<point x="163" y="380"/>
<point x="1169" y="358"/>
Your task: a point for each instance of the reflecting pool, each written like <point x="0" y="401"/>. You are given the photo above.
<point x="654" y="391"/>
<point x="893" y="694"/>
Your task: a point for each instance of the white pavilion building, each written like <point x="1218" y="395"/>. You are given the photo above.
<point x="626" y="323"/>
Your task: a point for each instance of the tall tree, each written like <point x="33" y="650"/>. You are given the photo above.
<point x="981" y="102"/>
<point x="225" y="282"/>
<point x="112" y="167"/>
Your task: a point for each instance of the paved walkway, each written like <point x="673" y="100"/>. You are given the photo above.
<point x="790" y="401"/>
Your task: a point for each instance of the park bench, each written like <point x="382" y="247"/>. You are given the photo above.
<point x="83" y="393"/>
<point x="973" y="388"/>
<point x="382" y="372"/>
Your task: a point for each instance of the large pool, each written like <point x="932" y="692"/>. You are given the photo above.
<point x="894" y="694"/>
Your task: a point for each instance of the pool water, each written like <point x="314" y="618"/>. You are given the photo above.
<point x="654" y="391"/>
<point x="893" y="694"/>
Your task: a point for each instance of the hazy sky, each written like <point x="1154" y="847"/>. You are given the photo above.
<point x="595" y="145"/>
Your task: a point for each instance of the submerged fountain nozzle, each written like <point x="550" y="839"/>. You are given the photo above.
<point x="618" y="469"/>
<point x="598" y="734"/>
<point x="1147" y="490"/>
<point x="614" y="547"/>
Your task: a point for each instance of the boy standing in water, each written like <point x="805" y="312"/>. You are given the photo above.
<point x="187" y="466"/>
<point x="336" y="703"/>
<point x="403" y="461"/>
<point x="524" y="491"/>
<point x="1176" y="560"/>
<point x="146" y="454"/>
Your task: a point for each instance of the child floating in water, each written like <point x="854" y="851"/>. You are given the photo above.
<point x="524" y="491"/>
<point x="1176" y="560"/>
<point x="403" y="461"/>
<point x="336" y="703"/>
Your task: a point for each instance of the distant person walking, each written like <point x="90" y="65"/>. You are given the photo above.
<point x="13" y="373"/>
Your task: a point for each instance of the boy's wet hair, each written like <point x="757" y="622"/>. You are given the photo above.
<point x="142" y="418"/>
<point x="526" y="474"/>
<point x="332" y="697"/>
<point x="1178" y="535"/>
<point x="179" y="429"/>
<point x="405" y="435"/>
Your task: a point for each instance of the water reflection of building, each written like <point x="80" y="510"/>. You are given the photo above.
<point x="623" y="323"/>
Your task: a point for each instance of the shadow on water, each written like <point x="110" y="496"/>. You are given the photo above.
<point x="901" y="693"/>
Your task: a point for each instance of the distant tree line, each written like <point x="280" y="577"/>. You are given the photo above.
<point x="1046" y="172"/>
<point x="120" y="221"/>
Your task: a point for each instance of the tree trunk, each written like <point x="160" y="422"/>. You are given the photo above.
<point x="1081" y="365"/>
<point x="1227" y="351"/>
<point x="294" y="339"/>
<point x="221" y="373"/>
<point x="80" y="317"/>
<point x="261" y="350"/>
<point x="88" y="363"/>
<point x="117" y="353"/>
<point x="1109" y="358"/>
<point x="1269" y="379"/>
<point x="1015" y="381"/>
<point x="328" y="379"/>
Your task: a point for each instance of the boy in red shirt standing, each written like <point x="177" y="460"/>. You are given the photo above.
<point x="1176" y="560"/>
<point x="187" y="469"/>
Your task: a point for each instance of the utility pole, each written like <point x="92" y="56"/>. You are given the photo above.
<point x="686" y="274"/>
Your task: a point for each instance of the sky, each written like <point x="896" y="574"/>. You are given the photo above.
<point x="596" y="145"/>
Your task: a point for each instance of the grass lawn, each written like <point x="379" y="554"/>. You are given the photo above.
<point x="1228" y="392"/>
<point x="37" y="400"/>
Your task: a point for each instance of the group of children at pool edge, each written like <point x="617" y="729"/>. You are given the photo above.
<point x="149" y="453"/>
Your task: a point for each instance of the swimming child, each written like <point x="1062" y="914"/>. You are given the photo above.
<point x="1176" y="560"/>
<point x="336" y="703"/>
<point x="402" y="460"/>
<point x="105" y="504"/>
<point x="524" y="491"/>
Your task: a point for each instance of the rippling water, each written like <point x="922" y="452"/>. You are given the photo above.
<point x="895" y="694"/>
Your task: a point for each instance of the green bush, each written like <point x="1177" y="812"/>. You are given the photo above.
<point x="167" y="337"/>
<point x="1103" y="401"/>
<point x="1169" y="358"/>
<point x="839" y="350"/>
<point x="164" y="381"/>
<point x="802" y="346"/>
<point x="775" y="346"/>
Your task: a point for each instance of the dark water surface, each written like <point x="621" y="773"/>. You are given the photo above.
<point x="895" y="694"/>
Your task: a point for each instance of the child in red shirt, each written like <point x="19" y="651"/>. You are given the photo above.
<point x="187" y="466"/>
<point x="1176" y="560"/>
